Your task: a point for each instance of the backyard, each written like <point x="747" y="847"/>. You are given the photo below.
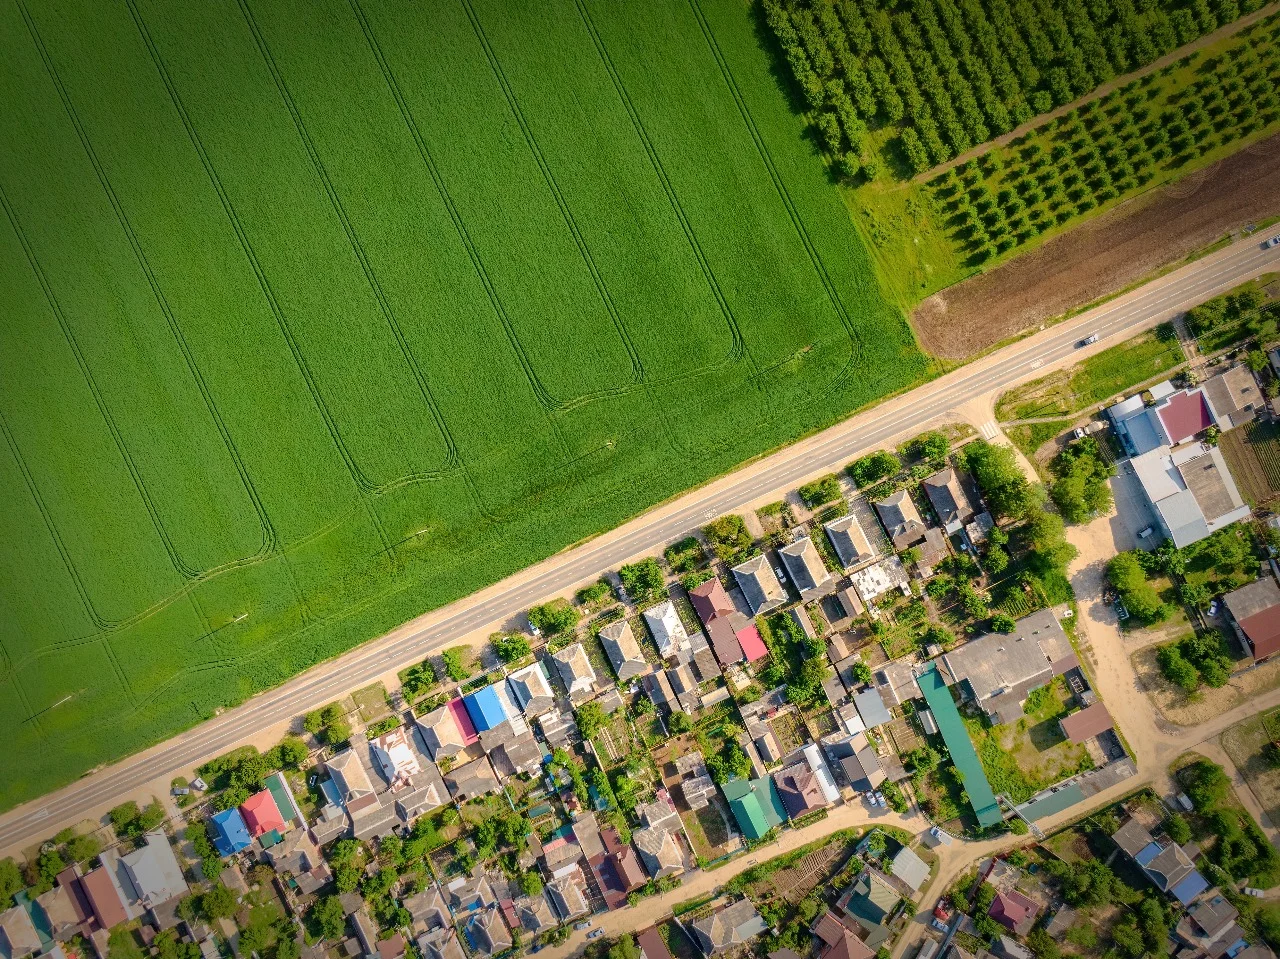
<point x="1251" y="744"/>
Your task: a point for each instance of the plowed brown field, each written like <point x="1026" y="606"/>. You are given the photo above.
<point x="1104" y="255"/>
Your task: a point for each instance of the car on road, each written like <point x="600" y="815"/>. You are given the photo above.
<point x="942" y="837"/>
<point x="1088" y="340"/>
<point x="595" y="935"/>
<point x="1274" y="241"/>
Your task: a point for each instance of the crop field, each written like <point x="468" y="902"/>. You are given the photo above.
<point x="319" y="315"/>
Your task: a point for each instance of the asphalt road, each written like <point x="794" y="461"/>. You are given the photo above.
<point x="833" y="448"/>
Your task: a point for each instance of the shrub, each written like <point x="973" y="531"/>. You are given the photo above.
<point x="826" y="489"/>
<point x="1140" y="598"/>
<point x="644" y="580"/>
<point x="509" y="647"/>
<point x="873" y="467"/>
<point x="728" y="537"/>
<point x="552" y="619"/>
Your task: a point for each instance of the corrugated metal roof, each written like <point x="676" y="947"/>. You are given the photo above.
<point x="981" y="796"/>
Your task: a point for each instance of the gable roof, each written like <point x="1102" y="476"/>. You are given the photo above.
<point x="535" y="914"/>
<point x="805" y="565"/>
<point x="566" y="893"/>
<point x="1234" y="396"/>
<point x="724" y="641"/>
<point x="486" y="709"/>
<point x="871" y="708"/>
<point x="103" y="897"/>
<point x="849" y="540"/>
<point x="759" y="584"/>
<point x="910" y="868"/>
<point x="261" y="814"/>
<point x="1084" y="724"/>
<point x="755" y="805"/>
<point x="154" y="871"/>
<point x="651" y="944"/>
<point x="1132" y="837"/>
<point x="1256" y="610"/>
<point x="668" y="631"/>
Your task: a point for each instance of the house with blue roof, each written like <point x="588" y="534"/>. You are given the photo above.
<point x="486" y="709"/>
<point x="230" y="834"/>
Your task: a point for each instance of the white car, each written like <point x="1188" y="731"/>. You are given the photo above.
<point x="1274" y="241"/>
<point x="1256" y="893"/>
<point x="595" y="935"/>
<point x="585" y="924"/>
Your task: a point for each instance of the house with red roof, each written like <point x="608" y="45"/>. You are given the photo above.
<point x="1254" y="612"/>
<point x="1015" y="911"/>
<point x="261" y="814"/>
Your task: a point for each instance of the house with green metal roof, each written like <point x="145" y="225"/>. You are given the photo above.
<point x="756" y="805"/>
<point x="981" y="796"/>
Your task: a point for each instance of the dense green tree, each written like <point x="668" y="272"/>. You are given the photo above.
<point x="329" y="918"/>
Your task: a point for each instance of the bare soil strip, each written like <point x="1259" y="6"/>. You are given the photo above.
<point x="1106" y="254"/>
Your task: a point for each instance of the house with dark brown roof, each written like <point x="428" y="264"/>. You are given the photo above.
<point x="799" y="789"/>
<point x="949" y="500"/>
<point x="652" y="945"/>
<point x="837" y="940"/>
<point x="1085" y="724"/>
<point x="901" y="519"/>
<point x="1254" y="612"/>
<point x="716" y="610"/>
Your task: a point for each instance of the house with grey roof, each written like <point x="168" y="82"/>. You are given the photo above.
<point x="427" y="909"/>
<point x="667" y="628"/>
<point x="871" y="708"/>
<point x="1234" y="397"/>
<point x="576" y="671"/>
<point x="759" y="584"/>
<point x="999" y="670"/>
<point x="472" y="780"/>
<point x="567" y="890"/>
<point x="901" y="519"/>
<point x="534" y="913"/>
<point x="440" y="942"/>
<point x="531" y="689"/>
<point x="1189" y="491"/>
<point x="910" y="868"/>
<point x="658" y="688"/>
<point x="849" y="541"/>
<point x="487" y="932"/>
<point x="728" y="927"/>
<point x="624" y="653"/>
<point x="518" y="756"/>
<point x="805" y="567"/>
<point x="949" y="500"/>
<point x="154" y="872"/>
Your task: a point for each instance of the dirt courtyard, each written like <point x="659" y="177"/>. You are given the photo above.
<point x="1103" y="255"/>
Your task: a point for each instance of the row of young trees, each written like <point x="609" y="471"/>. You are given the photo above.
<point x="1106" y="149"/>
<point x="950" y="74"/>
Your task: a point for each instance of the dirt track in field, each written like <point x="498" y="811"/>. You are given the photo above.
<point x="1104" y="255"/>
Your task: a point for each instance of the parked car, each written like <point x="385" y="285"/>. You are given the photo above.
<point x="1274" y="241"/>
<point x="199" y="784"/>
<point x="1256" y="893"/>
<point x="1213" y="608"/>
<point x="939" y="834"/>
<point x="585" y="924"/>
<point x="595" y="935"/>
